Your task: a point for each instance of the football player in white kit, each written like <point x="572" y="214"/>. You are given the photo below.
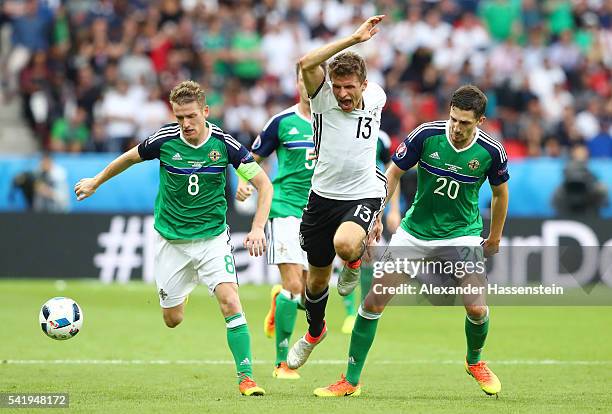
<point x="348" y="191"/>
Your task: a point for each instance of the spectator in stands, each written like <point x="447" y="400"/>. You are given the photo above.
<point x="31" y="24"/>
<point x="136" y="67"/>
<point x="246" y="52"/>
<point x="117" y="112"/>
<point x="50" y="187"/>
<point x="35" y="88"/>
<point x="580" y="193"/>
<point x="153" y="113"/>
<point x="563" y="49"/>
<point x="70" y="133"/>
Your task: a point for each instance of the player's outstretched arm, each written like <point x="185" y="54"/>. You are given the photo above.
<point x="310" y="63"/>
<point x="255" y="241"/>
<point x="499" y="209"/>
<point x="86" y="187"/>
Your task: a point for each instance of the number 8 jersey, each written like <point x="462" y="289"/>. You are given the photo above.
<point x="449" y="180"/>
<point x="345" y="144"/>
<point x="191" y="202"/>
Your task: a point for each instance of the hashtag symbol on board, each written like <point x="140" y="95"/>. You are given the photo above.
<point x="120" y="245"/>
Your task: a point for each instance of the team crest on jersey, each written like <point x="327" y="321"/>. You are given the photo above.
<point x="400" y="152"/>
<point x="214" y="155"/>
<point x="474" y="164"/>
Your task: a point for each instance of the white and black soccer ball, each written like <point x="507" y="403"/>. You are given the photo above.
<point x="61" y="318"/>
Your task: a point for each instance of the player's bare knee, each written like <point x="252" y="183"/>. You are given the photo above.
<point x="371" y="304"/>
<point x="373" y="308"/>
<point x="476" y="312"/>
<point x="345" y="248"/>
<point x="292" y="279"/>
<point x="172" y="319"/>
<point x="230" y="305"/>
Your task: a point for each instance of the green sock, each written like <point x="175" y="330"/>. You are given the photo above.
<point x="367" y="273"/>
<point x="361" y="341"/>
<point x="349" y="304"/>
<point x="239" y="341"/>
<point x="284" y="321"/>
<point x="475" y="334"/>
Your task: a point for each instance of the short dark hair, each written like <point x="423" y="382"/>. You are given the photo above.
<point x="346" y="64"/>
<point x="470" y="98"/>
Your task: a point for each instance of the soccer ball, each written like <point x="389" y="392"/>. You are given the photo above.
<point x="61" y="318"/>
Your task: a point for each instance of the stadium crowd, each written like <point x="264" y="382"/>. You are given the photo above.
<point x="94" y="75"/>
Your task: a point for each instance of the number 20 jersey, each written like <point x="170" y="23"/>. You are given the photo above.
<point x="345" y="144"/>
<point x="449" y="180"/>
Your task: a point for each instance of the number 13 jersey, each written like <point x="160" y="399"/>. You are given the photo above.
<point x="345" y="144"/>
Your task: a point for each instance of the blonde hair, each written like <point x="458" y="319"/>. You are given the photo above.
<point x="186" y="92"/>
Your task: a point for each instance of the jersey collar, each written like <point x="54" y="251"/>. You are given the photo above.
<point x="447" y="133"/>
<point x="208" y="124"/>
<point x="299" y="114"/>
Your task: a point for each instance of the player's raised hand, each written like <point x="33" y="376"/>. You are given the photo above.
<point x="244" y="190"/>
<point x="255" y="242"/>
<point x="86" y="187"/>
<point x="368" y="28"/>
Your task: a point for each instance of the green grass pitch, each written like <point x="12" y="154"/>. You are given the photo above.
<point x="550" y="360"/>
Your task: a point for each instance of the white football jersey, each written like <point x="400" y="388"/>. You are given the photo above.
<point x="345" y="144"/>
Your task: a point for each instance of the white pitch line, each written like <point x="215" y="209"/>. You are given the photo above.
<point x="265" y="362"/>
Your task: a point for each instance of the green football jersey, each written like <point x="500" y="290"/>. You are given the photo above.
<point x="289" y="134"/>
<point x="191" y="202"/>
<point x="449" y="180"/>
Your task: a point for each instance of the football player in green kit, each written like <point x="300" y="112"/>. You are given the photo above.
<point x="454" y="158"/>
<point x="193" y="243"/>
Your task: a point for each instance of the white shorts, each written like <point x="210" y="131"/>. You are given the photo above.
<point x="283" y="234"/>
<point x="467" y="247"/>
<point x="180" y="265"/>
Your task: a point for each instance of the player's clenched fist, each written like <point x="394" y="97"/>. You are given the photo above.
<point x="244" y="191"/>
<point x="85" y="188"/>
